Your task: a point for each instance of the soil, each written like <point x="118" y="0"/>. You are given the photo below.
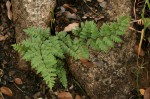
<point x="33" y="86"/>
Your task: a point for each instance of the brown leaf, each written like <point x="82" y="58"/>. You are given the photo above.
<point x="1" y="96"/>
<point x="1" y="73"/>
<point x="86" y="62"/>
<point x="147" y="93"/>
<point x="6" y="91"/>
<point x="64" y="95"/>
<point x="71" y="27"/>
<point x="100" y="1"/>
<point x="18" y="81"/>
<point x="71" y="8"/>
<point x="141" y="53"/>
<point x="2" y="38"/>
<point x="88" y="0"/>
<point x="142" y="91"/>
<point x="78" y="97"/>
<point x="71" y="15"/>
<point x="9" y="12"/>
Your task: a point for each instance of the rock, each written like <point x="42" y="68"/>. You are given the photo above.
<point x="110" y="77"/>
<point x="27" y="13"/>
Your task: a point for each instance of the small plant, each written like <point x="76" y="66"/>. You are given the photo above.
<point x="46" y="52"/>
<point x="146" y="24"/>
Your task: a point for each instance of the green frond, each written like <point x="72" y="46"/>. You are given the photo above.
<point x="105" y="30"/>
<point x="74" y="48"/>
<point x="45" y="52"/>
<point x="76" y="31"/>
<point x="116" y="38"/>
<point x="102" y="46"/>
<point x="61" y="73"/>
<point x="92" y="43"/>
<point x="108" y="42"/>
<point x="42" y="50"/>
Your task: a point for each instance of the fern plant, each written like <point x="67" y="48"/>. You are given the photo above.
<point x="104" y="38"/>
<point x="46" y="52"/>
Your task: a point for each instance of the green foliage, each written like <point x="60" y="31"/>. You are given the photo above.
<point x="73" y="47"/>
<point x="42" y="50"/>
<point x="46" y="52"/>
<point x="105" y="37"/>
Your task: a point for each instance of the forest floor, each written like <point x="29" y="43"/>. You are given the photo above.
<point x="19" y="84"/>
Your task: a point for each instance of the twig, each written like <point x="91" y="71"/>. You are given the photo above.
<point x="141" y="40"/>
<point x="134" y="9"/>
<point x="18" y="88"/>
<point x="134" y="29"/>
<point x="89" y="7"/>
<point x="147" y="75"/>
<point x="135" y="21"/>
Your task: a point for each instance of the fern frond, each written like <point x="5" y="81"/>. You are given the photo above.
<point x="108" y="41"/>
<point x="37" y="32"/>
<point x="18" y="47"/>
<point x="75" y="48"/>
<point x="42" y="50"/>
<point x="87" y="30"/>
<point x="101" y="44"/>
<point x="116" y="38"/>
<point x="104" y="38"/>
<point x="61" y="73"/>
<point x="45" y="52"/>
<point x="93" y="44"/>
<point x="105" y="30"/>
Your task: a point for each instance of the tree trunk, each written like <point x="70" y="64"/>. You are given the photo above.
<point x="30" y="13"/>
<point x="109" y="78"/>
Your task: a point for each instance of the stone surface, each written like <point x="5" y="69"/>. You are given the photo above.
<point x="110" y="77"/>
<point x="27" y="13"/>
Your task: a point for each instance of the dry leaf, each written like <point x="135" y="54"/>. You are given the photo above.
<point x="78" y="97"/>
<point x="9" y="12"/>
<point x="18" y="81"/>
<point x="86" y="62"/>
<point x="147" y="93"/>
<point x="62" y="10"/>
<point x="141" y="53"/>
<point x="2" y="38"/>
<point x="71" y="27"/>
<point x="6" y="91"/>
<point x="103" y="4"/>
<point x="88" y="0"/>
<point x="64" y="95"/>
<point x="100" y="1"/>
<point x="142" y="91"/>
<point x="1" y="73"/>
<point x="71" y="15"/>
<point x="71" y="87"/>
<point x="71" y="8"/>
<point x="1" y="96"/>
<point x="36" y="95"/>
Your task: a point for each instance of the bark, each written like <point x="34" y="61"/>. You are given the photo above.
<point x="27" y="13"/>
<point x="110" y="77"/>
